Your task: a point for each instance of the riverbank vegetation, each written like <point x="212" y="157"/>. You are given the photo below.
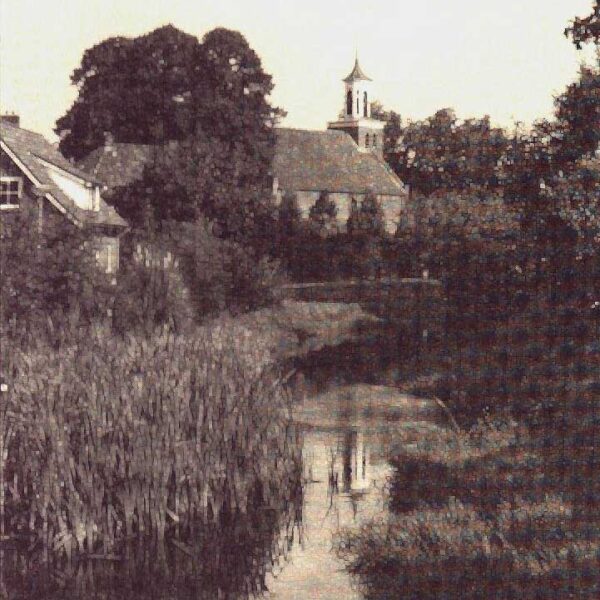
<point x="108" y="440"/>
<point x="505" y="504"/>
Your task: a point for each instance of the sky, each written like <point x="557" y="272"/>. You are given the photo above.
<point x="503" y="58"/>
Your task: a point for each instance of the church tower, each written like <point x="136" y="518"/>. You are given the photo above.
<point x="356" y="117"/>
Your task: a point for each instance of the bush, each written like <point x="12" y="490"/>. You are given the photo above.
<point x="475" y="515"/>
<point x="454" y="553"/>
<point x="49" y="272"/>
<point x="151" y="292"/>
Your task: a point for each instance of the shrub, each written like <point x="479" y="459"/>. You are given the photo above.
<point x="48" y="272"/>
<point x="475" y="515"/>
<point x="150" y="292"/>
<point x="454" y="553"/>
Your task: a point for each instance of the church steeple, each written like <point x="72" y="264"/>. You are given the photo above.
<point x="356" y="117"/>
<point x="356" y="74"/>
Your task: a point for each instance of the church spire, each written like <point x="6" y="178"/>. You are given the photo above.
<point x="357" y="74"/>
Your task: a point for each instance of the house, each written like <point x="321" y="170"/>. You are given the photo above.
<point x="346" y="160"/>
<point x="37" y="180"/>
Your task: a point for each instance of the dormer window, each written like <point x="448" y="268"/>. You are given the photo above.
<point x="11" y="189"/>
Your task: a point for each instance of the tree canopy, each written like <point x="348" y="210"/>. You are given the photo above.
<point x="441" y="152"/>
<point x="203" y="105"/>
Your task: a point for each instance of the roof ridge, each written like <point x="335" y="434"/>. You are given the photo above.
<point x="13" y="126"/>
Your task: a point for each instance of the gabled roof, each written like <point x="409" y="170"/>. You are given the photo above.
<point x="36" y="157"/>
<point x="356" y="74"/>
<point x="304" y="161"/>
<point x="331" y="161"/>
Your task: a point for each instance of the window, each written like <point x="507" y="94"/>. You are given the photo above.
<point x="365" y="105"/>
<point x="349" y="103"/>
<point x="10" y="191"/>
<point x="367" y="140"/>
<point x="374" y="141"/>
<point x="357" y="104"/>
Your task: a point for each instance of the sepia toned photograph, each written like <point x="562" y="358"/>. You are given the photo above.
<point x="299" y="300"/>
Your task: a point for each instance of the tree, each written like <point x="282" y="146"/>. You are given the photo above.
<point x="587" y="29"/>
<point x="289" y="215"/>
<point x="138" y="90"/>
<point x="441" y="153"/>
<point x="323" y="215"/>
<point x="366" y="219"/>
<point x="211" y="98"/>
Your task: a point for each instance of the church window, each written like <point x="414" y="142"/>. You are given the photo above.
<point x="365" y="105"/>
<point x="357" y="104"/>
<point x="349" y="103"/>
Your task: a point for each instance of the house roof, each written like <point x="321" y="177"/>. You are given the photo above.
<point x="356" y="73"/>
<point x="37" y="157"/>
<point x="304" y="161"/>
<point x="331" y="161"/>
<point x="117" y="164"/>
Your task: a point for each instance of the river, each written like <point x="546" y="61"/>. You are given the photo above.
<point x="351" y="412"/>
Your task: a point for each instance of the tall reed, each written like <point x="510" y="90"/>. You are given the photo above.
<point x="116" y="438"/>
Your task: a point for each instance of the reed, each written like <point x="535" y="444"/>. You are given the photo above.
<point x="119" y="438"/>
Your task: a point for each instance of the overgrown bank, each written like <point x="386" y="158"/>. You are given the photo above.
<point x="107" y="440"/>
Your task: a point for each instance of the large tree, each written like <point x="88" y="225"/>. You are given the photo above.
<point x="210" y="97"/>
<point x="136" y="89"/>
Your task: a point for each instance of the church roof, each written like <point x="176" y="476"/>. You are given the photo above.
<point x="330" y="161"/>
<point x="304" y="161"/>
<point x="357" y="73"/>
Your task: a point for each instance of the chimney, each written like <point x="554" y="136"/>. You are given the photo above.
<point x="11" y="119"/>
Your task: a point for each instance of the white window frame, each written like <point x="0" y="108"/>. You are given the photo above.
<point x="9" y="179"/>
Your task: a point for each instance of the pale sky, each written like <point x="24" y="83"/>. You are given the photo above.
<point x="505" y="58"/>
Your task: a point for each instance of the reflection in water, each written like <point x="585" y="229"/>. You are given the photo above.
<point x="351" y="412"/>
<point x="226" y="560"/>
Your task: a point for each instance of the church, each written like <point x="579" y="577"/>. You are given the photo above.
<point x="345" y="160"/>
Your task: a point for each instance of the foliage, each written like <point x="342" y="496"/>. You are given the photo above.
<point x="138" y="436"/>
<point x="219" y="274"/>
<point x="151" y="292"/>
<point x="322" y="215"/>
<point x="157" y="196"/>
<point x="476" y="514"/>
<point x="586" y="29"/>
<point x="366" y="219"/>
<point x="442" y="153"/>
<point x="289" y="215"/>
<point x="137" y="89"/>
<point x="204" y="105"/>
<point x="48" y="272"/>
